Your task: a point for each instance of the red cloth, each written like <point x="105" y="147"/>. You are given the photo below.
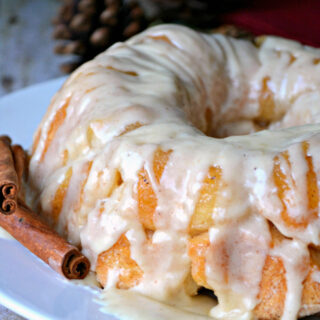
<point x="293" y="19"/>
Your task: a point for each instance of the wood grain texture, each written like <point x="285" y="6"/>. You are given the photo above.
<point x="26" y="44"/>
<point x="6" y="314"/>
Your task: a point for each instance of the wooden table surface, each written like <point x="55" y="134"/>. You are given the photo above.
<point x="26" y="54"/>
<point x="26" y="44"/>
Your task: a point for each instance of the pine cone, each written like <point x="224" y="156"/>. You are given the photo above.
<point x="88" y="27"/>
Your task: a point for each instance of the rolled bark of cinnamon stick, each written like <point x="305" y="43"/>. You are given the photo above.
<point x="20" y="159"/>
<point x="40" y="239"/>
<point x="8" y="178"/>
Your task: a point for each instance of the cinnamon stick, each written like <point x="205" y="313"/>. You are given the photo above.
<point x="8" y="178"/>
<point x="20" y="159"/>
<point x="26" y="226"/>
<point x="40" y="239"/>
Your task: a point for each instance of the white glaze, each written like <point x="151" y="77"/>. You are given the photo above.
<point x="128" y="305"/>
<point x="174" y="84"/>
<point x="296" y="258"/>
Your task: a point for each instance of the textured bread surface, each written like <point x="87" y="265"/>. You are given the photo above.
<point x="179" y="160"/>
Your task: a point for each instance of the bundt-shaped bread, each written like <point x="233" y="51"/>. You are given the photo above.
<point x="148" y="159"/>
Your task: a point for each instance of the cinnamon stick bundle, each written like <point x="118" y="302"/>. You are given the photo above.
<point x="33" y="233"/>
<point x="8" y="178"/>
<point x="26" y="226"/>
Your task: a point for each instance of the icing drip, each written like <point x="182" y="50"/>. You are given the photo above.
<point x="295" y="256"/>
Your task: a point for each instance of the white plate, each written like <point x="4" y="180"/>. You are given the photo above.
<point x="27" y="285"/>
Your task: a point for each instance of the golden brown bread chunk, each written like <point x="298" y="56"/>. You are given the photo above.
<point x="202" y="217"/>
<point x="147" y="200"/>
<point x="118" y="258"/>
